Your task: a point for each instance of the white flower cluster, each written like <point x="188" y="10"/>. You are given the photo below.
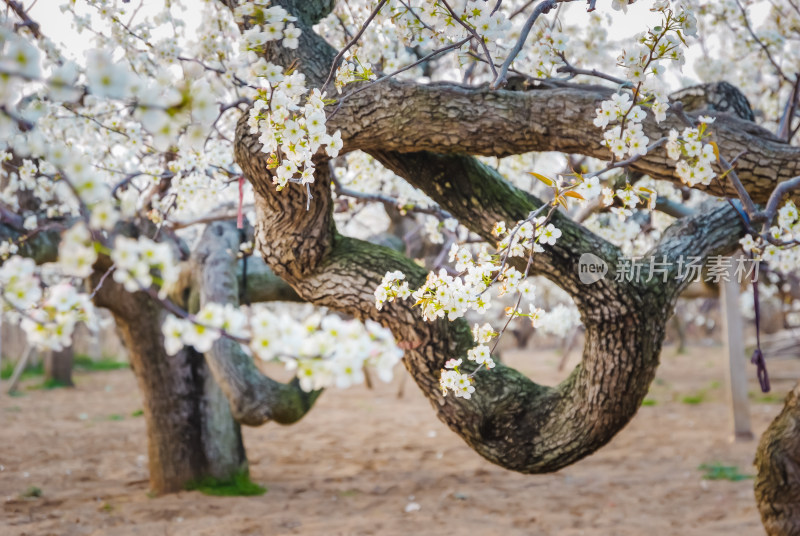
<point x="17" y="56"/>
<point x="788" y="218"/>
<point x="20" y="284"/>
<point x="642" y="66"/>
<point x="408" y="24"/>
<point x="481" y="354"/>
<point x="444" y="295"/>
<point x="323" y="350"/>
<point x="76" y="252"/>
<point x="491" y="27"/>
<point x="202" y="331"/>
<point x="352" y="69"/>
<point x="451" y="377"/>
<point x="139" y="262"/>
<point x="630" y="196"/>
<point x="290" y="133"/>
<point x="630" y="141"/>
<point x="544" y="53"/>
<point x="270" y="24"/>
<point x="590" y="188"/>
<point x="451" y="297"/>
<point x="695" y="158"/>
<point x="785" y="260"/>
<point x="48" y="319"/>
<point x="527" y="235"/>
<point x="559" y="320"/>
<point x="52" y="323"/>
<point x="391" y="288"/>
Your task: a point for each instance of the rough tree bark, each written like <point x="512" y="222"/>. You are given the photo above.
<point x="193" y="424"/>
<point x="190" y="431"/>
<point x="777" y="485"/>
<point x="424" y="134"/>
<point x="448" y="118"/>
<point x="254" y="398"/>
<point x="510" y="420"/>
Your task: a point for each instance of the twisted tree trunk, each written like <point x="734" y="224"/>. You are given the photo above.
<point x="510" y="420"/>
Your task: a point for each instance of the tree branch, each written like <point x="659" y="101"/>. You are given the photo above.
<point x="448" y="118"/>
<point x="254" y="397"/>
<point x="510" y="420"/>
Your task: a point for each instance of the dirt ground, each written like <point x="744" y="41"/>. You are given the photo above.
<point x="363" y="460"/>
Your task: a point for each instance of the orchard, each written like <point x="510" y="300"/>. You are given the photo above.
<point x="351" y="188"/>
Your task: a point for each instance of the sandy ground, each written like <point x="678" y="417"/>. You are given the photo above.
<point x="358" y="460"/>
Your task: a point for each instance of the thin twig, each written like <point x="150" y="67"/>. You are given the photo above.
<point x="776" y="196"/>
<point x="350" y="44"/>
<point x="422" y="22"/>
<point x="763" y="46"/>
<point x="384" y="199"/>
<point x="102" y="280"/>
<point x="474" y="34"/>
<point x="175" y="225"/>
<point x="542" y="8"/>
<point x="741" y="191"/>
<point x="27" y="21"/>
<point x="521" y="8"/>
<point x="575" y="71"/>
<point x="785" y="125"/>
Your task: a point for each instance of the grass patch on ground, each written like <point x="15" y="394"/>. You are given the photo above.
<point x="81" y="363"/>
<point x="718" y="471"/>
<point x="31" y="493"/>
<point x="27" y="374"/>
<point x="649" y="402"/>
<point x="238" y="486"/>
<point x="50" y="384"/>
<point x="87" y="364"/>
<point x="695" y="399"/>
<point x="766" y="398"/>
<point x="702" y="395"/>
